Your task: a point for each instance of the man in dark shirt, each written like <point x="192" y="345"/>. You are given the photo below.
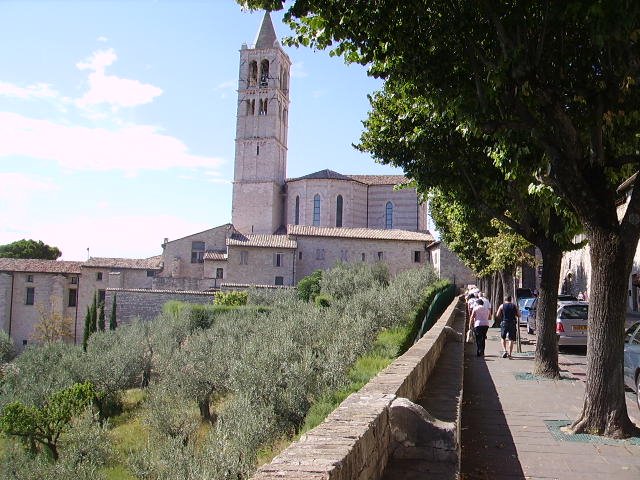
<point x="508" y="314"/>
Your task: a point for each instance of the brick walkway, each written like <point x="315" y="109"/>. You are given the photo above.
<point x="504" y="434"/>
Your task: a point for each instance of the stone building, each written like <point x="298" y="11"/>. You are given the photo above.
<point x="282" y="228"/>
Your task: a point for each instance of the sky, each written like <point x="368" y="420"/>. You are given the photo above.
<point x="117" y="120"/>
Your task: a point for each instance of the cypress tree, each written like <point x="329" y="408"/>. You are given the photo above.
<point x="112" y="318"/>
<point x="101" y="316"/>
<point x="94" y="314"/>
<point x="87" y="328"/>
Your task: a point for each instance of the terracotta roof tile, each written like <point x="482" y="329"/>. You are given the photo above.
<point x="215" y="256"/>
<point x="380" y="179"/>
<point x="363" y="233"/>
<point x="268" y="241"/>
<point x="153" y="263"/>
<point x="39" y="266"/>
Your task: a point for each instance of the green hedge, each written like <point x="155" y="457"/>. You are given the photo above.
<point x="202" y="316"/>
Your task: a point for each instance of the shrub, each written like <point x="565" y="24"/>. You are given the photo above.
<point x="309" y="287"/>
<point x="346" y="279"/>
<point x="233" y="298"/>
<point x="323" y="301"/>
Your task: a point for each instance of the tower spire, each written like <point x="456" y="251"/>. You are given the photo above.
<point x="267" y="34"/>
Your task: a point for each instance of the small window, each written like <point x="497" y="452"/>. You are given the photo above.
<point x="257" y="149"/>
<point x="277" y="259"/>
<point x="316" y="210"/>
<point x="279" y="280"/>
<point x="244" y="257"/>
<point x="299" y="255"/>
<point x="344" y="255"/>
<point x="219" y="273"/>
<point x="99" y="276"/>
<point x="264" y="73"/>
<point x="73" y="297"/>
<point x="253" y="73"/>
<point x="417" y="256"/>
<point x="29" y="278"/>
<point x="320" y="254"/>
<point x="31" y="296"/>
<point x="24" y="342"/>
<point x="380" y="256"/>
<point x="388" y="216"/>
<point x="151" y="273"/>
<point x="197" y="252"/>
<point x="339" y="211"/>
<point x="101" y="296"/>
<point x="74" y="280"/>
<point x="364" y="257"/>
<point x="296" y="219"/>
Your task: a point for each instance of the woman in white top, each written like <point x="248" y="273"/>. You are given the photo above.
<point x="480" y="323"/>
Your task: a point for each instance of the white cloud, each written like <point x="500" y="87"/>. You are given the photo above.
<point x="38" y="90"/>
<point x="19" y="186"/>
<point x="228" y="85"/>
<point x="110" y="89"/>
<point x="102" y="39"/>
<point x="128" y="148"/>
<point x="298" y="71"/>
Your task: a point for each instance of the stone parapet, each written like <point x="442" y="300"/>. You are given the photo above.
<point x="356" y="441"/>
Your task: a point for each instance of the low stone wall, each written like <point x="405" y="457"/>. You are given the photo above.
<point x="147" y="304"/>
<point x="356" y="440"/>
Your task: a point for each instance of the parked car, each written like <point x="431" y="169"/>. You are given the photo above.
<point x="528" y="310"/>
<point x="632" y="359"/>
<point x="571" y="323"/>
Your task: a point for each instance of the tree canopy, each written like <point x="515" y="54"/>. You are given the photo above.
<point x="29" y="249"/>
<point x="558" y="79"/>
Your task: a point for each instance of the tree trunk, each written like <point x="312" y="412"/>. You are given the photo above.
<point x="604" y="411"/>
<point x="506" y="276"/>
<point x="546" y="360"/>
<point x="498" y="296"/>
<point x="204" y="404"/>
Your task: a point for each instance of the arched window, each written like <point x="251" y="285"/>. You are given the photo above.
<point x="388" y="215"/>
<point x="316" y="210"/>
<point x="264" y="73"/>
<point x="251" y="107"/>
<point x="253" y="73"/>
<point x="296" y="220"/>
<point x="262" y="107"/>
<point x="339" y="211"/>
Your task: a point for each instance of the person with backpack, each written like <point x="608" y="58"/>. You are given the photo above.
<point x="508" y="314"/>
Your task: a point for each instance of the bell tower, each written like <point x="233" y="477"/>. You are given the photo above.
<point x="261" y="134"/>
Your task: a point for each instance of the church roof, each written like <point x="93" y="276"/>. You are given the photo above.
<point x="152" y="263"/>
<point x="380" y="179"/>
<point x="31" y="265"/>
<point x="360" y="233"/>
<point x="268" y="241"/>
<point x="366" y="179"/>
<point x="325" y="174"/>
<point x="266" y="35"/>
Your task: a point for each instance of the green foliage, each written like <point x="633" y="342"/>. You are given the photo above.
<point x="322" y="301"/>
<point x="309" y="287"/>
<point x="101" y="322"/>
<point x="346" y="279"/>
<point x="45" y="424"/>
<point x="233" y="298"/>
<point x="7" y="347"/>
<point x="113" y="323"/>
<point x="29" y="249"/>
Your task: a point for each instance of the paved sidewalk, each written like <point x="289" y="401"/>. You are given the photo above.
<point x="511" y="420"/>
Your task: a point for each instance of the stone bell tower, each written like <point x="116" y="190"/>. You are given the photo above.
<point x="261" y="134"/>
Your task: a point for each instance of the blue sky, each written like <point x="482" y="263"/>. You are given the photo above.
<point x="117" y="120"/>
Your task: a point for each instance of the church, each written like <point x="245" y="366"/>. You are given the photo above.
<point x="282" y="229"/>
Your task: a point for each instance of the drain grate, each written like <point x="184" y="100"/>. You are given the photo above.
<point x="527" y="376"/>
<point x="554" y="427"/>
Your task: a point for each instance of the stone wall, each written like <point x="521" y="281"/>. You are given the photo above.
<point x="147" y="304"/>
<point x="355" y="441"/>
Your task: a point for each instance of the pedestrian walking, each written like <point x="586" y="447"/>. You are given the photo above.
<point x="480" y="323"/>
<point x="508" y="314"/>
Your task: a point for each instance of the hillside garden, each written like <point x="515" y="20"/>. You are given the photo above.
<point x="206" y="391"/>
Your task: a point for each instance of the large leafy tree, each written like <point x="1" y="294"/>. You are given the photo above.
<point x="560" y="76"/>
<point x="29" y="249"/>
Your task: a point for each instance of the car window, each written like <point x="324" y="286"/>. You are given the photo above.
<point x="564" y="298"/>
<point x="574" y="312"/>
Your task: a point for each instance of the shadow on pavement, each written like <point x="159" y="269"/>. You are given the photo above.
<point x="488" y="449"/>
